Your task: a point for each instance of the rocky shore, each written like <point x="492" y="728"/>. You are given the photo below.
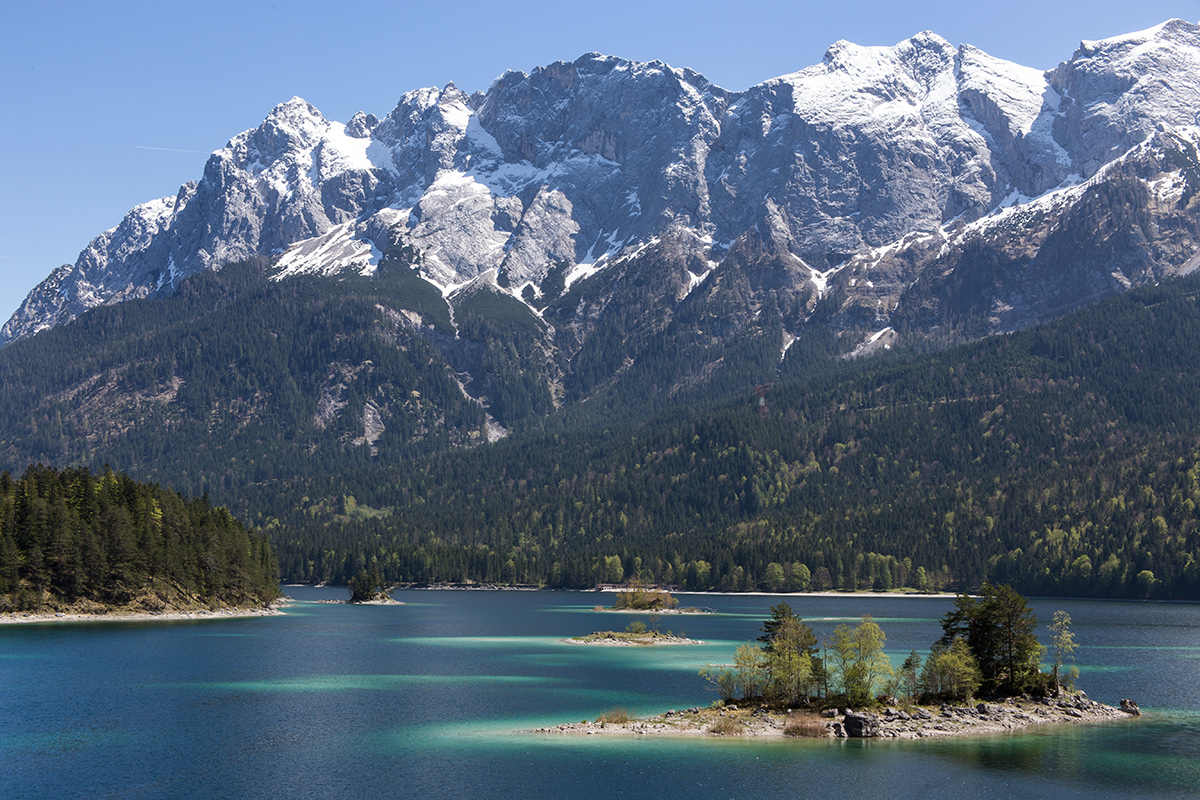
<point x="19" y="617"/>
<point x="626" y="639"/>
<point x="651" y="611"/>
<point x="892" y="722"/>
<point x="384" y="602"/>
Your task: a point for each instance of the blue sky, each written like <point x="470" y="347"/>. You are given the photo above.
<point x="106" y="105"/>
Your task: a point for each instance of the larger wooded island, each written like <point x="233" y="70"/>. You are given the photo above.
<point x="74" y="542"/>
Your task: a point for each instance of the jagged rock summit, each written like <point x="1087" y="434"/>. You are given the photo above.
<point x="914" y="186"/>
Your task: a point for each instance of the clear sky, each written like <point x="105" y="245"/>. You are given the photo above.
<point x="109" y="104"/>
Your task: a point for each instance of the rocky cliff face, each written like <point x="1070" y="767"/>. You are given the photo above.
<point x="922" y="186"/>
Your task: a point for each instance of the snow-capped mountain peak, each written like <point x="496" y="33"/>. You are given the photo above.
<point x="578" y="165"/>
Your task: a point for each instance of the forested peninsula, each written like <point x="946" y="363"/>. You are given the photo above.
<point x="76" y="542"/>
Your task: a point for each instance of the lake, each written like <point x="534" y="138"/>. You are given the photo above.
<point x="427" y="699"/>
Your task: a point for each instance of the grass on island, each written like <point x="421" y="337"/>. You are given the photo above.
<point x="615" y="716"/>
<point x="806" y="727"/>
<point x="727" y="726"/>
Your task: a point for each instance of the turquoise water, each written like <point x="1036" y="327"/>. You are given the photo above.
<point x="427" y="700"/>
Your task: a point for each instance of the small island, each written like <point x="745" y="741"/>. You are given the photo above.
<point x="369" y="588"/>
<point x="634" y="635"/>
<point x="649" y="599"/>
<point x="983" y="676"/>
<point x="640" y="599"/>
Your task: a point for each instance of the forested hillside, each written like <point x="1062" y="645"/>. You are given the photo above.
<point x="1063" y="460"/>
<point x="71" y="539"/>
<point x="238" y="379"/>
<point x="331" y="413"/>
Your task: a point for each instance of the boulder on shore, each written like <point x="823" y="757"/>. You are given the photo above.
<point x="861" y="726"/>
<point x="1130" y="707"/>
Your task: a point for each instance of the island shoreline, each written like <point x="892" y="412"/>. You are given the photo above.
<point x="1010" y="716"/>
<point x="614" y="639"/>
<point x="122" y="615"/>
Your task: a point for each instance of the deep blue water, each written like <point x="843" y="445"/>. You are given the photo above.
<point x="425" y="700"/>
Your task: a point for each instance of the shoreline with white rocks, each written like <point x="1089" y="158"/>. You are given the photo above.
<point x="626" y="639"/>
<point x="892" y="722"/>
<point x="125" y="615"/>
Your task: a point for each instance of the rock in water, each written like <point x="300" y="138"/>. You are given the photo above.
<point x="1130" y="707"/>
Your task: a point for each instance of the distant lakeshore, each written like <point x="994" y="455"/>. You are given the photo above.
<point x="495" y="587"/>
<point x="126" y="615"/>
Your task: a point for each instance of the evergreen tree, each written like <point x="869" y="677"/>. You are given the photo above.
<point x="998" y="627"/>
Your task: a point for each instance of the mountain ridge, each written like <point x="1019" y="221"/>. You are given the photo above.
<point x="587" y="161"/>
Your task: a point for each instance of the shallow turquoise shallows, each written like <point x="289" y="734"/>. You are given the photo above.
<point x="428" y="700"/>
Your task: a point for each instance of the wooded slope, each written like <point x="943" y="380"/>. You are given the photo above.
<point x="73" y="539"/>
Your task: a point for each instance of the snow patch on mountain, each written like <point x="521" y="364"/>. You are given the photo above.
<point x="342" y="249"/>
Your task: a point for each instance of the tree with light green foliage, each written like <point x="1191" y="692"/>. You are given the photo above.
<point x="1145" y="582"/>
<point x="801" y="578"/>
<point x="951" y="672"/>
<point x="614" y="570"/>
<point x="750" y="666"/>
<point x="790" y="663"/>
<point x="793" y="666"/>
<point x="773" y="577"/>
<point x="858" y="660"/>
<point x="722" y="680"/>
<point x="748" y="677"/>
<point x="1064" y="646"/>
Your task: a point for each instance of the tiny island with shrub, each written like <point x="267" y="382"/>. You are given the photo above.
<point x="635" y="633"/>
<point x="649" y="599"/>
<point x="646" y="600"/>
<point x="983" y="675"/>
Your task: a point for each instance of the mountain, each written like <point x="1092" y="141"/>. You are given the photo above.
<point x="582" y="255"/>
<point x="920" y="186"/>
<point x="1064" y="459"/>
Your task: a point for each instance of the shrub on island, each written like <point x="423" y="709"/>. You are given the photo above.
<point x="642" y="599"/>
